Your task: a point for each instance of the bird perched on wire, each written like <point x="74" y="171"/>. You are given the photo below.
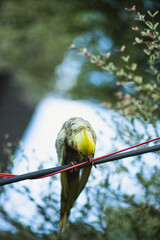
<point x="75" y="143"/>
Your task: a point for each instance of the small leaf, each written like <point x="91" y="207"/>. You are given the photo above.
<point x="83" y="50"/>
<point x="147" y="52"/>
<point x="155" y="96"/>
<point x="154" y="14"/>
<point x="157" y="53"/>
<point x="133" y="9"/>
<point x="125" y="58"/>
<point x="135" y="28"/>
<point x="120" y="73"/>
<point x="142" y="17"/>
<point x="149" y="24"/>
<point x="93" y="59"/>
<point x="158" y="78"/>
<point x="138" y="40"/>
<point x="153" y="69"/>
<point x="143" y="33"/>
<point x="152" y="58"/>
<point x="107" y="55"/>
<point x="133" y="66"/>
<point x="156" y="25"/>
<point x="123" y="47"/>
<point x="149" y="13"/>
<point x="138" y="79"/>
<point x="150" y="46"/>
<point x="111" y="66"/>
<point x="148" y="32"/>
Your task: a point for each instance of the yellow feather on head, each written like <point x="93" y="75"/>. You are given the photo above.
<point x="85" y="143"/>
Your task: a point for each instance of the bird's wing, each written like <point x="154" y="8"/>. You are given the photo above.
<point x="60" y="146"/>
<point x="69" y="182"/>
<point x="69" y="186"/>
<point x="85" y="172"/>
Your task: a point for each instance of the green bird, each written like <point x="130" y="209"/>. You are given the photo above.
<point x="75" y="143"/>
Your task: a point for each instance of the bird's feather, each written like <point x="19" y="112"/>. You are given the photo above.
<point x="85" y="172"/>
<point x="69" y="183"/>
<point x="75" y="141"/>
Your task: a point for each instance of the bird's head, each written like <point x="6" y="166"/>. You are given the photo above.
<point x="84" y="143"/>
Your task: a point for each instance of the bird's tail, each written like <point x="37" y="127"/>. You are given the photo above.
<point x="62" y="223"/>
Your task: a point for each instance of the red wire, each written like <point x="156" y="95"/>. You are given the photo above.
<point x="83" y="163"/>
<point x="7" y="175"/>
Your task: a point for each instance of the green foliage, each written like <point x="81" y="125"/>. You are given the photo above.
<point x="138" y="97"/>
<point x="8" y="149"/>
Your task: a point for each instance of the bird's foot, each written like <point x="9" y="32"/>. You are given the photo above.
<point x="90" y="160"/>
<point x="73" y="169"/>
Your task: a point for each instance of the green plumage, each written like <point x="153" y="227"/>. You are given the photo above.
<point x="70" y="145"/>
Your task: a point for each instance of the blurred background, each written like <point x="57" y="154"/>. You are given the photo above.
<point x="37" y="65"/>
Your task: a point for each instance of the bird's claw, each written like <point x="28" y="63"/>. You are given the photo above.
<point x="73" y="169"/>
<point x="90" y="161"/>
